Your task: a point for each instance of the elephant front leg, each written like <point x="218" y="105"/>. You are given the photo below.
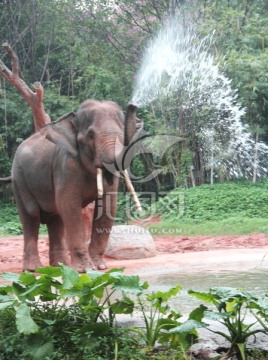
<point x="105" y="210"/>
<point x="76" y="240"/>
<point x="57" y="248"/>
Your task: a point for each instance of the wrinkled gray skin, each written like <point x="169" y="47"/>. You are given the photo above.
<point x="54" y="177"/>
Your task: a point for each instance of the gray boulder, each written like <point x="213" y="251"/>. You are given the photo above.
<point x="128" y="242"/>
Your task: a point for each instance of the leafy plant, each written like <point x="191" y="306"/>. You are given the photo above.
<point x="161" y="323"/>
<point x="232" y="306"/>
<point x="59" y="309"/>
<point x="59" y="300"/>
<point x="259" y="309"/>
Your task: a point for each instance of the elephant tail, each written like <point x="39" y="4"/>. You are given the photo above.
<point x="6" y="180"/>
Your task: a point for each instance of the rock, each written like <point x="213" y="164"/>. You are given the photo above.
<point x="128" y="242"/>
<point x="211" y="345"/>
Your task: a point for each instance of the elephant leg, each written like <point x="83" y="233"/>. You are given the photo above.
<point x="31" y="260"/>
<point x="57" y="249"/>
<point x="30" y="218"/>
<point x="105" y="210"/>
<point x="76" y="238"/>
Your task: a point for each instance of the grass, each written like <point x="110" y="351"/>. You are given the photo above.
<point x="231" y="226"/>
<point x="234" y="208"/>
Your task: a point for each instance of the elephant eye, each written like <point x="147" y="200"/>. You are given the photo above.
<point x="90" y="135"/>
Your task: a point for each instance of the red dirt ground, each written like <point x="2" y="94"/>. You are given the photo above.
<point x="11" y="248"/>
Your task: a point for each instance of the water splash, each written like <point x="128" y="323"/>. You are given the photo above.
<point x="175" y="59"/>
<point x="178" y="66"/>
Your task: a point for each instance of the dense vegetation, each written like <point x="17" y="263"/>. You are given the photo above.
<point x="60" y="314"/>
<point x="93" y="49"/>
<point x="218" y="202"/>
<point x="229" y="208"/>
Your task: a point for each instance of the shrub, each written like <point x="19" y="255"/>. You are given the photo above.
<point x="216" y="202"/>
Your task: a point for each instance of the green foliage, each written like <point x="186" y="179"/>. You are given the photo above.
<point x="230" y="226"/>
<point x="231" y="307"/>
<point x="216" y="202"/>
<point x="9" y="219"/>
<point x="160" y="321"/>
<point x="92" y="50"/>
<point x="60" y="312"/>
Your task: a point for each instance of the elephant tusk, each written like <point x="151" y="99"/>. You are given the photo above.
<point x="132" y="190"/>
<point x="99" y="182"/>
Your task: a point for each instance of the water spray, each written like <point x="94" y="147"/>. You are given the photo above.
<point x="178" y="66"/>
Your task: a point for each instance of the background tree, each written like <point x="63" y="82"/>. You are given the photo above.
<point x="80" y="49"/>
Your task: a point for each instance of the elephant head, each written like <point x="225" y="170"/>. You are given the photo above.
<point x="98" y="134"/>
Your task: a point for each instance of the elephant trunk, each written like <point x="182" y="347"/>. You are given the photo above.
<point x="100" y="182"/>
<point x="111" y="150"/>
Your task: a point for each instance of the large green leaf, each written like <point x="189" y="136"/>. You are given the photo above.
<point x="52" y="271"/>
<point x="69" y="277"/>
<point x="27" y="278"/>
<point x="18" y="289"/>
<point x="127" y="283"/>
<point x="4" y="305"/>
<point x="217" y="315"/>
<point x="124" y="306"/>
<point x="187" y="326"/>
<point x="198" y="313"/>
<point x="83" y="280"/>
<point x="208" y="297"/>
<point x="164" y="296"/>
<point x="5" y="289"/>
<point x="226" y="293"/>
<point x="10" y="277"/>
<point x="25" y="323"/>
<point x="93" y="274"/>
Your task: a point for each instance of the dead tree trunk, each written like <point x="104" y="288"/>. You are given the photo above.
<point x="33" y="98"/>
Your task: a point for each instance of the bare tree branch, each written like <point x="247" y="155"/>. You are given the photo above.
<point x="33" y="98"/>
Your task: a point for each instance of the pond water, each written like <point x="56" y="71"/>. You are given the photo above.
<point x="253" y="280"/>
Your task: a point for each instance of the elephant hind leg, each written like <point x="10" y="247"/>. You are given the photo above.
<point x="57" y="248"/>
<point x="30" y="218"/>
<point x="31" y="260"/>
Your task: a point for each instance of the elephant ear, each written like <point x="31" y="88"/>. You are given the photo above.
<point x="63" y="133"/>
<point x="133" y="125"/>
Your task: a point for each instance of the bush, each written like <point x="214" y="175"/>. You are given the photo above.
<point x="216" y="202"/>
<point x="60" y="314"/>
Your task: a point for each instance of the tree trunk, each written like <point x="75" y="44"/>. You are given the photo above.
<point x="255" y="161"/>
<point x="33" y="98"/>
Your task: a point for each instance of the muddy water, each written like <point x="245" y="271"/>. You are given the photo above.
<point x="254" y="280"/>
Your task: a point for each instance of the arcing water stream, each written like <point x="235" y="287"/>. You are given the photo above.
<point x="177" y="65"/>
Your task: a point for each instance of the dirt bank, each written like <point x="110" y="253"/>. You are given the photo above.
<point x="11" y="249"/>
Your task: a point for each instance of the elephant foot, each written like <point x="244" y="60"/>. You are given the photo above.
<point x="82" y="268"/>
<point x="81" y="263"/>
<point x="98" y="262"/>
<point x="31" y="264"/>
<point x="56" y="257"/>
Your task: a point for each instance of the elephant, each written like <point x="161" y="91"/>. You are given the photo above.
<point x="60" y="170"/>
